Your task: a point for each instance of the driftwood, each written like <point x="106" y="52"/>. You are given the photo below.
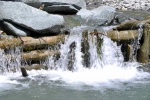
<point x="36" y="55"/>
<point x="35" y="67"/>
<point x="71" y="56"/>
<point x="30" y="43"/>
<point x="85" y="49"/>
<point x="143" y="52"/>
<point x="24" y="72"/>
<point x="122" y="35"/>
<point x="131" y="25"/>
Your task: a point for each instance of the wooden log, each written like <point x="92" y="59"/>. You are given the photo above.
<point x="71" y="56"/>
<point x="122" y="35"/>
<point x="131" y="25"/>
<point x="143" y="52"/>
<point x="24" y="72"/>
<point x="36" y="55"/>
<point x="30" y="43"/>
<point x="35" y="67"/>
<point x="85" y="49"/>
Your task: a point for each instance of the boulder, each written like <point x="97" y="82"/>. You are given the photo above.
<point x="29" y="18"/>
<point x="79" y="3"/>
<point x="103" y="15"/>
<point x="59" y="6"/>
<point x="12" y="29"/>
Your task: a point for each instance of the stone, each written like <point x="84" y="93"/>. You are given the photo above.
<point x="30" y="18"/>
<point x="59" y="6"/>
<point x="103" y="15"/>
<point x="15" y="30"/>
<point x="80" y="3"/>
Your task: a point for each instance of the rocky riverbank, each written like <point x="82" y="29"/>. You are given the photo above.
<point x="121" y="4"/>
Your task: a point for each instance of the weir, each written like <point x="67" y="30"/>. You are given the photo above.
<point x="81" y="50"/>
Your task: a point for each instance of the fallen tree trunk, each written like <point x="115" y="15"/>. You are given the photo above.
<point x="39" y="55"/>
<point x="35" y="67"/>
<point x="131" y="25"/>
<point x="122" y="35"/>
<point x="143" y="52"/>
<point x="30" y="43"/>
<point x="36" y="55"/>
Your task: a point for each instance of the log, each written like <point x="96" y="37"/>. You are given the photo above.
<point x="122" y="35"/>
<point x="35" y="67"/>
<point x="36" y="55"/>
<point x="24" y="72"/>
<point x="85" y="49"/>
<point x="131" y="25"/>
<point x="71" y="56"/>
<point x="30" y="43"/>
<point x="143" y="52"/>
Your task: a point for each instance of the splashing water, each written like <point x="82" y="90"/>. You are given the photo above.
<point x="110" y="68"/>
<point x="107" y="70"/>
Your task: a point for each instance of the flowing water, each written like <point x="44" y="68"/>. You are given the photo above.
<point x="107" y="78"/>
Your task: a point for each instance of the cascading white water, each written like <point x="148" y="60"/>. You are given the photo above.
<point x="110" y="67"/>
<point x="107" y="70"/>
<point x="10" y="62"/>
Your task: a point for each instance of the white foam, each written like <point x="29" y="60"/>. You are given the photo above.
<point x="108" y="71"/>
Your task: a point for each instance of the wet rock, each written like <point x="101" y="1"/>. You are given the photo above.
<point x="12" y="29"/>
<point x="103" y="15"/>
<point x="59" y="6"/>
<point x="30" y="18"/>
<point x="80" y="3"/>
<point x="72" y="21"/>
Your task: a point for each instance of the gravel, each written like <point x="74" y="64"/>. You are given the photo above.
<point x="120" y="4"/>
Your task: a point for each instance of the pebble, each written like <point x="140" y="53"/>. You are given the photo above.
<point x="124" y="4"/>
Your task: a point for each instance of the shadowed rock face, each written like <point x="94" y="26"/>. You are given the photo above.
<point x="29" y="18"/>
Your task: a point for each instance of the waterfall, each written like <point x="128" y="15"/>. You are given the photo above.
<point x="11" y="61"/>
<point x="105" y="68"/>
<point x="108" y="67"/>
<point x="111" y="53"/>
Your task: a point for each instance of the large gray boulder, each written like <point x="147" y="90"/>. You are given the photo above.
<point x="30" y="18"/>
<point x="12" y="29"/>
<point x="57" y="6"/>
<point x="103" y="15"/>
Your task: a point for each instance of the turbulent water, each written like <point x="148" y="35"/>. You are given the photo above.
<point x="107" y="78"/>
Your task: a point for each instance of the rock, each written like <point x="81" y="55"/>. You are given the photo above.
<point x="72" y="21"/>
<point x="12" y="29"/>
<point x="59" y="6"/>
<point x="30" y="18"/>
<point x="103" y="15"/>
<point x="61" y="9"/>
<point x="79" y="3"/>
